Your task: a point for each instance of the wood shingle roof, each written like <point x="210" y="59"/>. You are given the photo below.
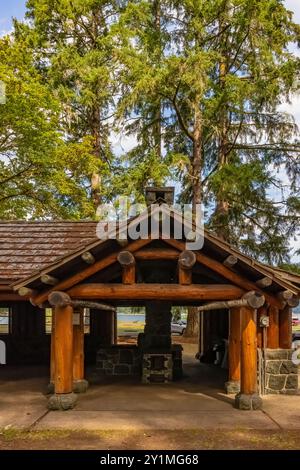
<point x="27" y="247"/>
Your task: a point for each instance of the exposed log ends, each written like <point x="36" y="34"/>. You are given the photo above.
<point x="92" y="305"/>
<point x="264" y="282"/>
<point x="187" y="259"/>
<point x="126" y="258"/>
<point x="88" y="258"/>
<point x="192" y="293"/>
<point x="59" y="299"/>
<point x="250" y="299"/>
<point x="26" y="292"/>
<point x="230" y="261"/>
<point x="285" y="295"/>
<point x="88" y="271"/>
<point x="231" y="276"/>
<point x="293" y="302"/>
<point x="49" y="280"/>
<point x="127" y="261"/>
<point x="254" y="299"/>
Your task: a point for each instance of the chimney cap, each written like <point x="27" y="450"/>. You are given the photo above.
<point x="165" y="193"/>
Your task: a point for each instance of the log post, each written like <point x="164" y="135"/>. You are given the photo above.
<point x="80" y="385"/>
<point x="285" y="328"/>
<point x="127" y="261"/>
<point x="52" y="355"/>
<point x="273" y="330"/>
<point x="186" y="261"/>
<point x="234" y="351"/>
<point x="248" y="398"/>
<point x="63" y="398"/>
<point x="115" y="327"/>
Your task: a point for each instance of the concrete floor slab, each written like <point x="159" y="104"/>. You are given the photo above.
<point x="196" y="402"/>
<point x="284" y="409"/>
<point x="162" y="420"/>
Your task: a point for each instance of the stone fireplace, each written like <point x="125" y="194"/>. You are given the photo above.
<point x="156" y="344"/>
<point x="154" y="358"/>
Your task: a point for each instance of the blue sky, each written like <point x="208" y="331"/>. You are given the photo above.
<point x="9" y="9"/>
<point x="16" y="8"/>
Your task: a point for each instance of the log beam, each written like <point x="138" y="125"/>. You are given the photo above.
<point x="61" y="299"/>
<point x="49" y="280"/>
<point x="230" y="261"/>
<point x="285" y="328"/>
<point x="264" y="282"/>
<point x="26" y="292"/>
<point x="80" y="385"/>
<point x="192" y="293"/>
<point x="250" y="299"/>
<point x="157" y="254"/>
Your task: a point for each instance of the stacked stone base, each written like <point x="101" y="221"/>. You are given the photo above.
<point x="119" y="360"/>
<point x="282" y="376"/>
<point x="127" y="360"/>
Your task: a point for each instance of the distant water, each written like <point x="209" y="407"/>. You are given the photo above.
<point x="131" y="318"/>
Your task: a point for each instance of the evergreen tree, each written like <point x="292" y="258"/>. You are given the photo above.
<point x="40" y="174"/>
<point x="77" y="57"/>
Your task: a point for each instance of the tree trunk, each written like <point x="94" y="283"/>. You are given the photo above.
<point x="96" y="178"/>
<point x="157" y="115"/>
<point x="222" y="206"/>
<point x="192" y="326"/>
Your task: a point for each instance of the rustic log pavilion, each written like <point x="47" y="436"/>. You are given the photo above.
<point x="63" y="266"/>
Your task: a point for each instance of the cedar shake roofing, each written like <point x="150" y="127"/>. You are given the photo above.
<point x="27" y="247"/>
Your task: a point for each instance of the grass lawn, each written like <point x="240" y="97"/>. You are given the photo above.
<point x="127" y="328"/>
<point x="151" y="440"/>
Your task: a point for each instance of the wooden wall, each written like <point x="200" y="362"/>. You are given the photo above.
<point x="28" y="343"/>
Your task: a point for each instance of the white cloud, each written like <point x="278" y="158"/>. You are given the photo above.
<point x="294" y="5"/>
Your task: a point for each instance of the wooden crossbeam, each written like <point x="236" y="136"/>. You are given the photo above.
<point x="193" y="292"/>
